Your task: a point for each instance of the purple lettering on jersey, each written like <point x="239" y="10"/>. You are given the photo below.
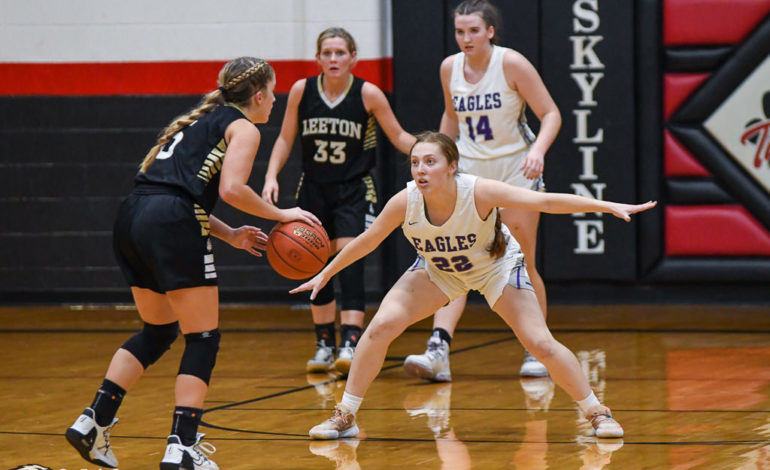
<point x="498" y="101"/>
<point x="459" y="103"/>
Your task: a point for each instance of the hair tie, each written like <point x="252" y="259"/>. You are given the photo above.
<point x="222" y="89"/>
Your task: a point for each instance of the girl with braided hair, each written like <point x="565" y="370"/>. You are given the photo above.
<point x="162" y="241"/>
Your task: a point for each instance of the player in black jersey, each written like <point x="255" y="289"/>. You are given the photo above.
<point x="162" y="241"/>
<point x="336" y="114"/>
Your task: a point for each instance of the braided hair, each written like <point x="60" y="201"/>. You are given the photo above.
<point x="239" y="80"/>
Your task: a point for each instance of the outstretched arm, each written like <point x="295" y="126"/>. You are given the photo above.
<point x="391" y="217"/>
<point x="377" y="104"/>
<point x="490" y="194"/>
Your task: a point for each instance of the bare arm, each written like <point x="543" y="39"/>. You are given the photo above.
<point x="284" y="143"/>
<point x="490" y="194"/>
<point x="522" y="76"/>
<point x="449" y="124"/>
<point x="376" y="103"/>
<point x="391" y="217"/>
<point x="243" y="141"/>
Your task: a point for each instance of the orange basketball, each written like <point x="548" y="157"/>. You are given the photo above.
<point x="296" y="250"/>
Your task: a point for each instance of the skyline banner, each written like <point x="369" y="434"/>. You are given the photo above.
<point x="589" y="71"/>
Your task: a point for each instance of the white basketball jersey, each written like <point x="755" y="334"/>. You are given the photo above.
<point x="459" y="246"/>
<point x="490" y="115"/>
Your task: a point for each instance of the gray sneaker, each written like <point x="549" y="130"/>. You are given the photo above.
<point x="531" y="367"/>
<point x="323" y="359"/>
<point x="433" y="364"/>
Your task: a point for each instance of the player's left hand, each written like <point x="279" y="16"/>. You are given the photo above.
<point x="533" y="164"/>
<point x="250" y="239"/>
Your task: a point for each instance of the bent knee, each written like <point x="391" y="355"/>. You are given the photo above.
<point x="542" y="348"/>
<point x="384" y="329"/>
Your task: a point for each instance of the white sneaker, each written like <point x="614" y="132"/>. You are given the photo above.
<point x="323" y="359"/>
<point x="341" y="424"/>
<point x="344" y="359"/>
<point x="604" y="425"/>
<point x="92" y="440"/>
<point x="179" y="456"/>
<point x="433" y="364"/>
<point x="531" y="367"/>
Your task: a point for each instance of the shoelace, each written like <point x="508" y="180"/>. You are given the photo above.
<point x="204" y="448"/>
<point x="106" y="433"/>
<point x="339" y="418"/>
<point x="597" y="420"/>
<point x="434" y="350"/>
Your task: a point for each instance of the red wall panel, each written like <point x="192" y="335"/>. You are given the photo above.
<point x="727" y="230"/>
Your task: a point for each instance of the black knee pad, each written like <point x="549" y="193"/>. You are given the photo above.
<point x="325" y="295"/>
<point x="352" y="296"/>
<point x="200" y="354"/>
<point x="152" y="342"/>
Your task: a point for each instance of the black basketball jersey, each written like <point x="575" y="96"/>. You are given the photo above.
<point x="338" y="143"/>
<point x="192" y="161"/>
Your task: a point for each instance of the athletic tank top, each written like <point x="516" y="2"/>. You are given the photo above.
<point x="490" y="115"/>
<point x="458" y="246"/>
<point x="339" y="141"/>
<point x="191" y="163"/>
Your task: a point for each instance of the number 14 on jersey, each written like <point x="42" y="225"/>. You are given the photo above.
<point x="482" y="128"/>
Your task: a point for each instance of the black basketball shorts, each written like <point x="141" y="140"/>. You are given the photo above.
<point x="162" y="243"/>
<point x="345" y="209"/>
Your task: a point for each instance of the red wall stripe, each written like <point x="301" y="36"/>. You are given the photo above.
<point x="703" y="22"/>
<point x="677" y="87"/>
<point x="711" y="230"/>
<point x="678" y="161"/>
<point x="157" y="78"/>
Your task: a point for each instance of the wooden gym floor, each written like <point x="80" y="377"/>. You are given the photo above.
<point x="690" y="384"/>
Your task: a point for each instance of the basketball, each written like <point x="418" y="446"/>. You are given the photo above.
<point x="295" y="250"/>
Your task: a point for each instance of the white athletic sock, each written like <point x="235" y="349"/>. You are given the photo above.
<point x="589" y="401"/>
<point x="351" y="402"/>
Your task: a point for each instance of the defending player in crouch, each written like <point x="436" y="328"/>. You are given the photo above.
<point x="441" y="203"/>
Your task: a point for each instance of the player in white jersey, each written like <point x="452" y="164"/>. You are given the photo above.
<point x="486" y="91"/>
<point x="453" y="223"/>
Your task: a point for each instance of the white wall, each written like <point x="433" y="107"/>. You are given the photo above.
<point x="49" y="31"/>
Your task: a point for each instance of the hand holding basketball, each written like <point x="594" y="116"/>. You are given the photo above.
<point x="297" y="250"/>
